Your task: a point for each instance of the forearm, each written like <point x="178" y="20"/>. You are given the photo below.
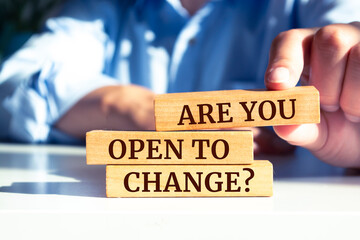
<point x="110" y="107"/>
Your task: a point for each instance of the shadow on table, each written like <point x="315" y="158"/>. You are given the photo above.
<point x="44" y="169"/>
<point x="81" y="189"/>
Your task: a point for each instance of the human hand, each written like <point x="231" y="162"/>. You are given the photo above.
<point x="329" y="59"/>
<point x="267" y="142"/>
<point x="128" y="107"/>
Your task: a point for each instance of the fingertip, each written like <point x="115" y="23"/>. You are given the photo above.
<point x="285" y="131"/>
<point x="330" y="108"/>
<point x="352" y="118"/>
<point x="278" y="78"/>
<point x="278" y="75"/>
<point x="305" y="135"/>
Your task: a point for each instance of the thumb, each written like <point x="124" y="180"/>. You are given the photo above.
<point x="289" y="56"/>
<point x="311" y="136"/>
<point x="289" y="53"/>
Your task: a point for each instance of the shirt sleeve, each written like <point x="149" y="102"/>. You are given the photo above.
<point x="318" y="13"/>
<point x="55" y="69"/>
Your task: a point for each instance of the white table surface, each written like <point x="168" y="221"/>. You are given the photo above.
<point x="48" y="192"/>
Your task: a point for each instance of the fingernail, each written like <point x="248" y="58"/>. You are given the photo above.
<point x="279" y="75"/>
<point x="330" y="108"/>
<point x="352" y="118"/>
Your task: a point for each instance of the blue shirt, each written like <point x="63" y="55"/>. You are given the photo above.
<point x="153" y="43"/>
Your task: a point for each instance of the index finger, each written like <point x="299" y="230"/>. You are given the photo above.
<point x="289" y="54"/>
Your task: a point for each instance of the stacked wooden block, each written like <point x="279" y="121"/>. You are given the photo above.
<point x="172" y="162"/>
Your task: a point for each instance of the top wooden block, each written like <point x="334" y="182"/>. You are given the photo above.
<point x="236" y="108"/>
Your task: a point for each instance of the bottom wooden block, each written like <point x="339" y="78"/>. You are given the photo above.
<point x="189" y="180"/>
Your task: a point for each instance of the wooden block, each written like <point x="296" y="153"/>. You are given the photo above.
<point x="236" y="108"/>
<point x="189" y="181"/>
<point x="201" y="147"/>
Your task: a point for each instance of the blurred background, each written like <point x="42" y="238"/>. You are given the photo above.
<point x="19" y="19"/>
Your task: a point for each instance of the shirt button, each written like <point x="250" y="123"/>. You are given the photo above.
<point x="192" y="41"/>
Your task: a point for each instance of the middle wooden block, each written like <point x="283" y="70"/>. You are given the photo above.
<point x="195" y="147"/>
